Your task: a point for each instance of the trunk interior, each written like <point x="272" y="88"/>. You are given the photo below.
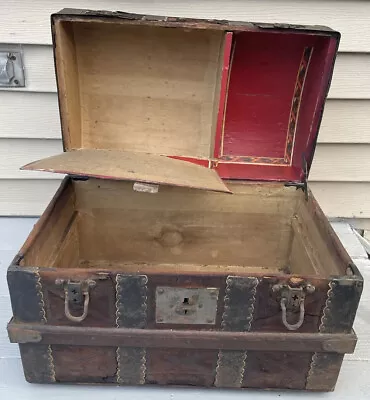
<point x="201" y="95"/>
<point x="262" y="228"/>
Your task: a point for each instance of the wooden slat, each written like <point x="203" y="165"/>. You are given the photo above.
<point x="344" y="121"/>
<point x="158" y="338"/>
<point x="28" y="22"/>
<point x="351" y="79"/>
<point x="185" y="224"/>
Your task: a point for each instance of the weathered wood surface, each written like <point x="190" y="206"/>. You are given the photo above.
<point x="203" y="366"/>
<point x="12" y="380"/>
<point x="126" y="165"/>
<point x="269" y="341"/>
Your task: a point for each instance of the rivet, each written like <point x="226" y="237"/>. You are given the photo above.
<point x="200" y="305"/>
<point x="160" y="319"/>
<point x="209" y="321"/>
<point x="160" y="291"/>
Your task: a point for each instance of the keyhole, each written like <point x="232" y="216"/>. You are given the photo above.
<point x="185" y="302"/>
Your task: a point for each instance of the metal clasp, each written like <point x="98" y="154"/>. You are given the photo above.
<point x="76" y="293"/>
<point x="292" y="299"/>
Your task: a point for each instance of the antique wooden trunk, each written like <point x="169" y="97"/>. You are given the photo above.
<point x="184" y="246"/>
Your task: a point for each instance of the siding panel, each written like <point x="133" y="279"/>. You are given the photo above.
<point x="345" y="199"/>
<point x="36" y="116"/>
<point x="341" y="163"/>
<point x="30" y="198"/>
<point x="39" y="69"/>
<point x="15" y="153"/>
<point x="26" y="197"/>
<point x="351" y="79"/>
<point x="29" y="115"/>
<point x="332" y="162"/>
<point x="28" y="22"/>
<point x="346" y="121"/>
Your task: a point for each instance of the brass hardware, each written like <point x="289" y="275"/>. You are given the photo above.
<point x="292" y="299"/>
<point x="76" y="293"/>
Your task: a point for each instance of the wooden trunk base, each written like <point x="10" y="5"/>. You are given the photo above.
<point x="169" y="357"/>
<point x="185" y="367"/>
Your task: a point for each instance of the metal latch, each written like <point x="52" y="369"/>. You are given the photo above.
<point x="176" y="305"/>
<point x="292" y="299"/>
<point x="11" y="69"/>
<point x="76" y="293"/>
<point x="145" y="187"/>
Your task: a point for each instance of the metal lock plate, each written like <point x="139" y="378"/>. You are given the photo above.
<point x="176" y="305"/>
<point x="11" y="69"/>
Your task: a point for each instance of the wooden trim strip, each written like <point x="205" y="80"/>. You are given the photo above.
<point x="167" y="338"/>
<point x="224" y="84"/>
<point x="296" y="104"/>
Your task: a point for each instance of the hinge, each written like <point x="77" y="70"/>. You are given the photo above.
<point x="301" y="185"/>
<point x="79" y="177"/>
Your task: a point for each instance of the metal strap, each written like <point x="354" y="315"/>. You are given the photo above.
<point x="238" y="313"/>
<point x="341" y="305"/>
<point x="131" y="312"/>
